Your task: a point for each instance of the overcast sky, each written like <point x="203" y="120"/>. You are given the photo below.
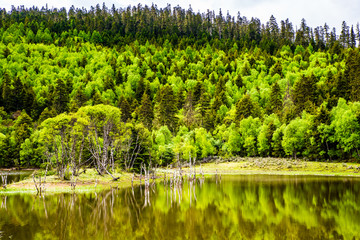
<point x="316" y="12"/>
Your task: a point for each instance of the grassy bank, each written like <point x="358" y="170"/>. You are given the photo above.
<point x="85" y="182"/>
<point x="91" y="181"/>
<point x="276" y="166"/>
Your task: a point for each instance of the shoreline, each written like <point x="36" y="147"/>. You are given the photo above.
<point x="92" y="182"/>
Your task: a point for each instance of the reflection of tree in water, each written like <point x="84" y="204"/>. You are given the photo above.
<point x="191" y="210"/>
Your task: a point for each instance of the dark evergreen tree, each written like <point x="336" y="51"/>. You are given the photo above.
<point x="18" y="94"/>
<point x="47" y="113"/>
<point x="146" y="112"/>
<point x="275" y="104"/>
<point x="109" y="84"/>
<point x="189" y="111"/>
<point x="7" y="94"/>
<point x="61" y="97"/>
<point x="198" y="91"/>
<point x="238" y="81"/>
<point x="140" y="88"/>
<point x="167" y="108"/>
<point x="304" y="91"/>
<point x="245" y="108"/>
<point x="352" y="74"/>
<point x="125" y="108"/>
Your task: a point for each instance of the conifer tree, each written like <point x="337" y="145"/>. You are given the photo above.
<point x="61" y="97"/>
<point x="198" y="90"/>
<point x="352" y="74"/>
<point x="238" y="81"/>
<point x="146" y="112"/>
<point x="109" y="84"/>
<point x="167" y="108"/>
<point x="276" y="103"/>
<point x="18" y="94"/>
<point x="119" y="79"/>
<point x="189" y="111"/>
<point x="125" y="108"/>
<point x="343" y="88"/>
<point x="140" y="88"/>
<point x="96" y="98"/>
<point x="245" y="108"/>
<point x="7" y="93"/>
<point x="304" y="91"/>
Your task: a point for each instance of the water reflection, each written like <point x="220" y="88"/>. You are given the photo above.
<point x="248" y="207"/>
<point x="14" y="176"/>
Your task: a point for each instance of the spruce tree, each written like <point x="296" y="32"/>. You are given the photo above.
<point x="7" y="93"/>
<point x="125" y="108"/>
<point x="167" y="108"/>
<point x="18" y="94"/>
<point x="276" y="103"/>
<point x="198" y="90"/>
<point x="352" y="74"/>
<point x="238" y="81"/>
<point x="304" y="91"/>
<point x="189" y="111"/>
<point x="245" y="108"/>
<point x="61" y="97"/>
<point x="146" y="112"/>
<point x="140" y="88"/>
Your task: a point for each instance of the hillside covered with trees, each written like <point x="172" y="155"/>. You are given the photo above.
<point x="122" y="87"/>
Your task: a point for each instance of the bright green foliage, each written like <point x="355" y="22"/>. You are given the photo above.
<point x="266" y="134"/>
<point x="162" y="145"/>
<point x="204" y="143"/>
<point x="294" y="137"/>
<point x="345" y="125"/>
<point x="173" y="76"/>
<point x="230" y="139"/>
<point x="249" y="130"/>
<point x="184" y="145"/>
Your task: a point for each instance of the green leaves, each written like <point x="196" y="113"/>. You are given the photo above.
<point x="294" y="136"/>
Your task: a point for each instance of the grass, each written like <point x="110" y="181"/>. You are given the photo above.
<point x="85" y="182"/>
<point x="92" y="181"/>
<point x="276" y="166"/>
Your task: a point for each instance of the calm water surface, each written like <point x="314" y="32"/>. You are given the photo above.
<point x="235" y="207"/>
<point x="15" y="176"/>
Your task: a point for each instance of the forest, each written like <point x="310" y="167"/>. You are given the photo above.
<point x="111" y="88"/>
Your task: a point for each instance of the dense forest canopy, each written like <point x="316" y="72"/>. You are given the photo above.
<point x="181" y="27"/>
<point x="122" y="87"/>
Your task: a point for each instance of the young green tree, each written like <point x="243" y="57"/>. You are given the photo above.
<point x="249" y="130"/>
<point x="295" y="137"/>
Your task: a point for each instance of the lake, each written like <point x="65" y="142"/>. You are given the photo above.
<point x="15" y="176"/>
<point x="233" y="207"/>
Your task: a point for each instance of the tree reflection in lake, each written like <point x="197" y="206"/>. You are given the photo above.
<point x="14" y="176"/>
<point x="238" y="207"/>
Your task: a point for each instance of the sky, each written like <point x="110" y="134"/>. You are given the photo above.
<point x="315" y="12"/>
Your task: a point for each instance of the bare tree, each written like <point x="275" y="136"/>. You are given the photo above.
<point x="4" y="179"/>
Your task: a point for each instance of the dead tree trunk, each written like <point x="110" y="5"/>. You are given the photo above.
<point x="4" y="179"/>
